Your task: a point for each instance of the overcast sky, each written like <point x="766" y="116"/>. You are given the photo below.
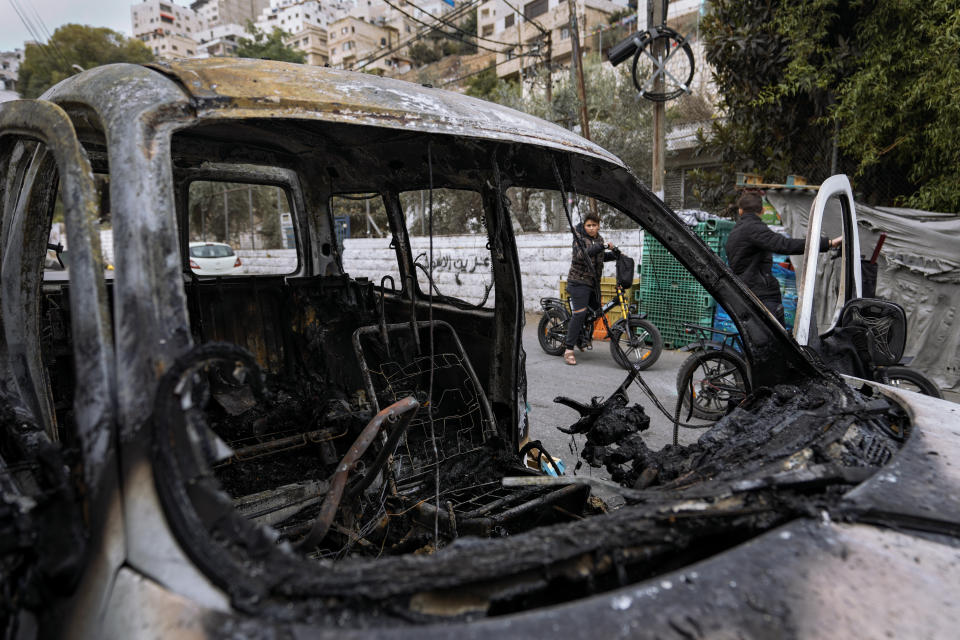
<point x="113" y="14"/>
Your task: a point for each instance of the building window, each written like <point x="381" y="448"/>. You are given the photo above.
<point x="508" y="21"/>
<point x="189" y="52"/>
<point x="487" y="30"/>
<point x="535" y="8"/>
<point x="383" y="42"/>
<point x="306" y="40"/>
<point x="564" y="33"/>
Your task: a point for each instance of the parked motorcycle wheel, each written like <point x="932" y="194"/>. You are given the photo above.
<point x="911" y="380"/>
<point x="552" y="331"/>
<point x="635" y="343"/>
<point x="713" y="378"/>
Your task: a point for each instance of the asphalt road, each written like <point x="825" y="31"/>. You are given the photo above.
<point x="596" y="374"/>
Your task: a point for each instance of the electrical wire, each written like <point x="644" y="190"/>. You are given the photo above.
<point x="49" y="36"/>
<point x="419" y="21"/>
<point x="535" y="55"/>
<point x="44" y="49"/>
<point x="433" y="437"/>
<point x="458" y="29"/>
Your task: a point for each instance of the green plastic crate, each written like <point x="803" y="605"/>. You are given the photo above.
<point x="668" y="310"/>
<point x="669" y="294"/>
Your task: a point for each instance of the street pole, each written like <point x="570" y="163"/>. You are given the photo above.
<point x="657" y="17"/>
<point x="253" y="242"/>
<point x="581" y="87"/>
<point x="226" y="218"/>
<point x="549" y="67"/>
<point x="578" y="69"/>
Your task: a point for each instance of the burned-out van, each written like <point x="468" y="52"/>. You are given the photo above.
<point x="292" y="452"/>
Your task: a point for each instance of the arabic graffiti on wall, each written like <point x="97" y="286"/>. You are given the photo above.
<point x="460" y="264"/>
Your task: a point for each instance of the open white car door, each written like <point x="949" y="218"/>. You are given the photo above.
<point x="804" y="328"/>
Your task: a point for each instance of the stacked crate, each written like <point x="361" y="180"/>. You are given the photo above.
<point x="669" y="294"/>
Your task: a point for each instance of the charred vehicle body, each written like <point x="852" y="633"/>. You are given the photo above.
<point x="305" y="454"/>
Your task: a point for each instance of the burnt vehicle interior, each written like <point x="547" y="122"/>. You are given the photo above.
<point x="369" y="424"/>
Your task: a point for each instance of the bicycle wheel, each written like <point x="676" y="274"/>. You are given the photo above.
<point x="552" y="331"/>
<point x="911" y="380"/>
<point x="712" y="379"/>
<point x="635" y="342"/>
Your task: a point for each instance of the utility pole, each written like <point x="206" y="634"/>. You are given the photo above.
<point x="578" y="69"/>
<point x="581" y="87"/>
<point x="550" y="67"/>
<point x="226" y="218"/>
<point x="656" y="16"/>
<point x="253" y="236"/>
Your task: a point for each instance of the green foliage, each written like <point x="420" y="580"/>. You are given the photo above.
<point x="448" y="41"/>
<point x="880" y="75"/>
<point x="758" y="133"/>
<point x="268" y="46"/>
<point x="74" y="44"/>
<point x="422" y="53"/>
<point x="899" y="111"/>
<point x="620" y="121"/>
<point x="225" y="211"/>
<point x="483" y="84"/>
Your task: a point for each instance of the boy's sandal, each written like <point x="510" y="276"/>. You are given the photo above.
<point x="568" y="357"/>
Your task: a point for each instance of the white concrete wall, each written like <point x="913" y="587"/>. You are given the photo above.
<point x="267" y="261"/>
<point x="462" y="267"/>
<point x="461" y="263"/>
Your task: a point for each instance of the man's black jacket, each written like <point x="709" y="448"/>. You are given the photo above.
<point x="749" y="252"/>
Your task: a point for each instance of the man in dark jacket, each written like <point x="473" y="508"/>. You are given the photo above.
<point x="582" y="280"/>
<point x="750" y="248"/>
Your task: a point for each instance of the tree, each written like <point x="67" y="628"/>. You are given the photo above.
<point x="870" y="83"/>
<point x="620" y="121"/>
<point x="483" y="84"/>
<point x="73" y="44"/>
<point x="268" y="46"/>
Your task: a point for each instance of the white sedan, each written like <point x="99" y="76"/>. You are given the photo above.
<point x="213" y="259"/>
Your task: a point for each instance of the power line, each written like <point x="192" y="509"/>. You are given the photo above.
<point x="419" y="21"/>
<point x="497" y="64"/>
<point x="458" y="29"/>
<point x="376" y="55"/>
<point x="36" y="37"/>
<point x="50" y="40"/>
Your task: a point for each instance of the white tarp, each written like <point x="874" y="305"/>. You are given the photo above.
<point x="919" y="268"/>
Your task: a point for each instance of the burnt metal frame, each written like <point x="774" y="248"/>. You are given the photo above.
<point x="152" y="329"/>
<point x="286" y="179"/>
<point x="24" y="245"/>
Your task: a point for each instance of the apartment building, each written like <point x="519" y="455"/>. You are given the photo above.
<point x="352" y="39"/>
<point x="306" y="22"/>
<point x="220" y="40"/>
<point x="223" y="12"/>
<point x="541" y="31"/>
<point x="9" y="69"/>
<point x="168" y="29"/>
